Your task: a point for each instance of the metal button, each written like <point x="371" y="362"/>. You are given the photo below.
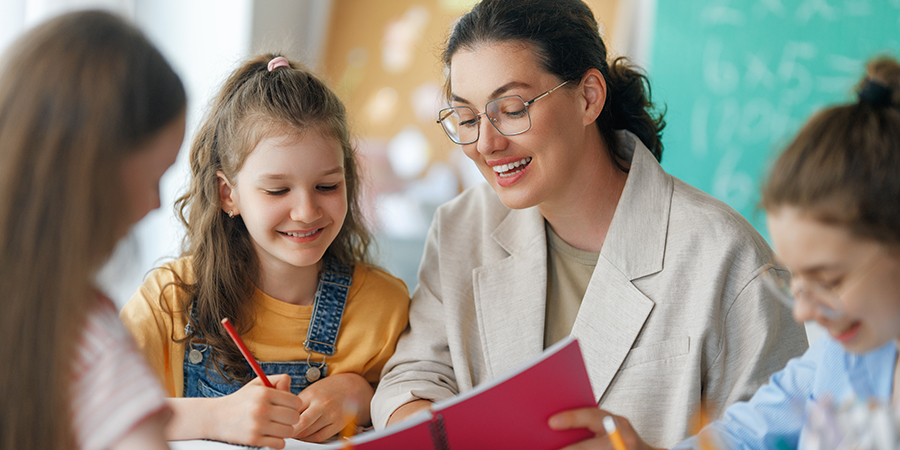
<point x="313" y="374"/>
<point x="194" y="356"/>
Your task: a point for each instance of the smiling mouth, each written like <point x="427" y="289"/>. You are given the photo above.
<point x="301" y="235"/>
<point x="508" y="170"/>
<point x="848" y="333"/>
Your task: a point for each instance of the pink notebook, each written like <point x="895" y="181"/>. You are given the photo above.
<point x="508" y="412"/>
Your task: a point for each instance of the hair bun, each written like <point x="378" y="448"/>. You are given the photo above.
<point x="278" y="61"/>
<point x="874" y="93"/>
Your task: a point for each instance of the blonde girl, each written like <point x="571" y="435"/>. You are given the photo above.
<point x="275" y="242"/>
<point x="91" y="115"/>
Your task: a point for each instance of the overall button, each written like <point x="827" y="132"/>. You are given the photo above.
<point x="313" y="374"/>
<point x="194" y="356"/>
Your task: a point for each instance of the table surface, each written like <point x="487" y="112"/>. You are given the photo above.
<point x="292" y="444"/>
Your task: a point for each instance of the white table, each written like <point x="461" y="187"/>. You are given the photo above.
<point x="292" y="444"/>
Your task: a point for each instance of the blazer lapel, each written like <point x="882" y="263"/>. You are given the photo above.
<point x="611" y="317"/>
<point x="510" y="293"/>
<point x="614" y="311"/>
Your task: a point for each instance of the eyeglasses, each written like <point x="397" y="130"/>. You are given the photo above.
<point x="826" y="299"/>
<point x="509" y="115"/>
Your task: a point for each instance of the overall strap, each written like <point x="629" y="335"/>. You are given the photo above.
<point x="193" y="312"/>
<point x="328" y="309"/>
<point x="193" y="354"/>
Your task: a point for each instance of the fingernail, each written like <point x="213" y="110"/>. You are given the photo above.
<point x="554" y="422"/>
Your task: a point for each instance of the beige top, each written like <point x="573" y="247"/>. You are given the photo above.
<point x="569" y="271"/>
<point x="674" y="312"/>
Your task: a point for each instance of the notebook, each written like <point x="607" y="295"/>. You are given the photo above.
<point x="510" y="411"/>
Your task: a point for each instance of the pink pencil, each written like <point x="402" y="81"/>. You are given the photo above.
<point x="246" y="352"/>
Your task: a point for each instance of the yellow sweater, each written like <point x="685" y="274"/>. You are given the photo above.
<point x="376" y="313"/>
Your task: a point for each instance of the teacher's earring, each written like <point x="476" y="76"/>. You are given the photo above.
<point x="230" y="214"/>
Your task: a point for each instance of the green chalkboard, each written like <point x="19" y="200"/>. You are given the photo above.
<point x="740" y="77"/>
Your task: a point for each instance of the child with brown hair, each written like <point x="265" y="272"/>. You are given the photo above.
<point x="833" y="205"/>
<point x="275" y="242"/>
<point x="91" y="115"/>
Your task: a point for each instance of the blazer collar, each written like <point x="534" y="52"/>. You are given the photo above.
<point x="634" y="247"/>
<point x="519" y="230"/>
<point x="511" y="292"/>
<point x="636" y="240"/>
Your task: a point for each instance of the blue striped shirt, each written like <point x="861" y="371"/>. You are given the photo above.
<point x="775" y="417"/>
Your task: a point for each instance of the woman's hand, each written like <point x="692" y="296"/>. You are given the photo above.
<point x="254" y="415"/>
<point x="592" y="419"/>
<point x="330" y="404"/>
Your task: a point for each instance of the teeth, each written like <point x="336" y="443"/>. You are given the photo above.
<point x="507" y="167"/>
<point x="302" y="234"/>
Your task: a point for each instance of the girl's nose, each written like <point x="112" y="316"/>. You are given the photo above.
<point x="306" y="210"/>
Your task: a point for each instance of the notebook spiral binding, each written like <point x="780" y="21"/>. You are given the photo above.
<point x="438" y="434"/>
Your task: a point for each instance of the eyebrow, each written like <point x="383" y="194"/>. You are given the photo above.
<point x="336" y="169"/>
<point x="497" y="92"/>
<point x="281" y="176"/>
<point x="819" y="269"/>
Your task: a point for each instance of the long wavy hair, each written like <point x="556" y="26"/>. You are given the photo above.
<point x="566" y="40"/>
<point x="78" y="95"/>
<point x="844" y="165"/>
<point x="253" y="103"/>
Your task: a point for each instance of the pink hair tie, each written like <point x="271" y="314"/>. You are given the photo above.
<point x="277" y="62"/>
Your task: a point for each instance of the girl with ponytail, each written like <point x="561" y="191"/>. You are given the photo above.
<point x="275" y="242"/>
<point x="832" y="202"/>
<point x="579" y="231"/>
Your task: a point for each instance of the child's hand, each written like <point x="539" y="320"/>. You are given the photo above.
<point x="322" y="415"/>
<point x="258" y="416"/>
<point x="592" y="419"/>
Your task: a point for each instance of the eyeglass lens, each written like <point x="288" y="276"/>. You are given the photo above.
<point x="509" y="115"/>
<point x="824" y="300"/>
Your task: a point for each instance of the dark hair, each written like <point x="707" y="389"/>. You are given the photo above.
<point x="844" y="165"/>
<point x="78" y="95"/>
<point x="565" y="37"/>
<point x="254" y="103"/>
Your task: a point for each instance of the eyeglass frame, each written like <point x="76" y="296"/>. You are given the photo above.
<point x="442" y="117"/>
<point x="829" y="307"/>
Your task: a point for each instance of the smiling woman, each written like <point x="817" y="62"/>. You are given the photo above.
<point x="579" y="231"/>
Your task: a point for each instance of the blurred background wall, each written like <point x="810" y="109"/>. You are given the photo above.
<point x="737" y="79"/>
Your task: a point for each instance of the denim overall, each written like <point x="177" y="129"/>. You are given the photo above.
<point x="328" y="308"/>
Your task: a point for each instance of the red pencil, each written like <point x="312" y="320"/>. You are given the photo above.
<point x="246" y="352"/>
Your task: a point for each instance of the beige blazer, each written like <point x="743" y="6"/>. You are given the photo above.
<point x="674" y="312"/>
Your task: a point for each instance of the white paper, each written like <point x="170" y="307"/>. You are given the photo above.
<point x="290" y="444"/>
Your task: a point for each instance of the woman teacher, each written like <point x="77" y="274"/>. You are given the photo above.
<point x="579" y="231"/>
